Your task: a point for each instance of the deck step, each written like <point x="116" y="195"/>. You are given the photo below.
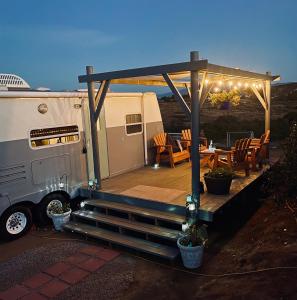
<point x="158" y="231"/>
<point x="123" y="240"/>
<point x="137" y="210"/>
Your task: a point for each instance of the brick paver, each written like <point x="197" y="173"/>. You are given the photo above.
<point x="37" y="280"/>
<point x="100" y="252"/>
<point x="34" y="296"/>
<point x="74" y="275"/>
<point x="92" y="264"/>
<point x="77" y="258"/>
<point x="57" y="269"/>
<point x="91" y="250"/>
<point x="107" y="254"/>
<point x="16" y="292"/>
<point x="53" y="288"/>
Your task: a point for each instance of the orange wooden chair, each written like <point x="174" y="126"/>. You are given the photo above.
<point x="186" y="137"/>
<point x="236" y="159"/>
<point x="166" y="152"/>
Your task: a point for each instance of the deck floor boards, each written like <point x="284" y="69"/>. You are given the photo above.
<point x="178" y="178"/>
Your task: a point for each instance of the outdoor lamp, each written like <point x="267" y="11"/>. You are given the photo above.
<point x="185" y="226"/>
<point x="192" y="207"/>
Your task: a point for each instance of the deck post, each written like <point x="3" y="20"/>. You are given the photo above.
<point x="267" y="110"/>
<point x="94" y="133"/>
<point x="195" y="108"/>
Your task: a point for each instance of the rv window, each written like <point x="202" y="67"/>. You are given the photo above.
<point x="54" y="136"/>
<point x="133" y="124"/>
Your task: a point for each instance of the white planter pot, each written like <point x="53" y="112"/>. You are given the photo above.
<point x="60" y="219"/>
<point x="191" y="256"/>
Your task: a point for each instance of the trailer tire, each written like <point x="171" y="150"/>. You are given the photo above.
<point x="40" y="212"/>
<point x="15" y="222"/>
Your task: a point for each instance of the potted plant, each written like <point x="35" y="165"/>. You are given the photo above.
<point x="218" y="181"/>
<point x="192" y="244"/>
<point x="224" y="98"/>
<point x="60" y="214"/>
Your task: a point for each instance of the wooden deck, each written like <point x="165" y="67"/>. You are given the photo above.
<point x="170" y="186"/>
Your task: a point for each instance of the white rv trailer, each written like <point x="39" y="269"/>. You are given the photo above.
<point x="44" y="153"/>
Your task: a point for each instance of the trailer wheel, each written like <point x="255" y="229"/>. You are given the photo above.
<point x="15" y="222"/>
<point x="41" y="209"/>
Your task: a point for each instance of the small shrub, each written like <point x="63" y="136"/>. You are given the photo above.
<point x="195" y="236"/>
<point x="57" y="209"/>
<point x="281" y="180"/>
<point x="220" y="173"/>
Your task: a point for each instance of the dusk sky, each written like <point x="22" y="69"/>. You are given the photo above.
<point x="49" y="43"/>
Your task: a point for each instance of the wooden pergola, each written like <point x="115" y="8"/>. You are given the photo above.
<point x="198" y="76"/>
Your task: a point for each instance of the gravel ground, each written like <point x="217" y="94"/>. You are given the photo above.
<point x="32" y="261"/>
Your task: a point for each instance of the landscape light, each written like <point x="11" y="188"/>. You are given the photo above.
<point x="191" y="207"/>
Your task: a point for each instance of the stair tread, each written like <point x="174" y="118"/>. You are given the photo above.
<point x="124" y="240"/>
<point x="128" y="224"/>
<point x="142" y="211"/>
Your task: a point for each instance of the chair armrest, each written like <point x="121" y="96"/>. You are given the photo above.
<point x="224" y="152"/>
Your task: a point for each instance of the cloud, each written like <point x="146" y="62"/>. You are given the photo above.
<point x="60" y="35"/>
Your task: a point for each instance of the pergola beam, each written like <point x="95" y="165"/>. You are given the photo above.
<point x="177" y="95"/>
<point x="103" y="93"/>
<point x="260" y="98"/>
<point x="148" y="82"/>
<point x="147" y="71"/>
<point x="242" y="74"/>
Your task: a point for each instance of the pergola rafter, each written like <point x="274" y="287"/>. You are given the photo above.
<point x="193" y="76"/>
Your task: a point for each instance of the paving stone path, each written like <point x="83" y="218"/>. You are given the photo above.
<point x="55" y="279"/>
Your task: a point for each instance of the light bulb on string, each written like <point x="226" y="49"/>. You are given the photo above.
<point x="230" y="83"/>
<point x="220" y="82"/>
<point x="216" y="89"/>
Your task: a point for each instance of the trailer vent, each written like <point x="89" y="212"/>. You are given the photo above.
<point x="54" y="136"/>
<point x="13" y="81"/>
<point x="12" y="174"/>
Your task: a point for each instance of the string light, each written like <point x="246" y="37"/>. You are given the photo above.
<point x="216" y="89"/>
<point x="239" y="84"/>
<point x="230" y="83"/>
<point x="246" y="85"/>
<point x="220" y="82"/>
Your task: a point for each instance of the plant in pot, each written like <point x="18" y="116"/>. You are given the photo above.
<point x="60" y="214"/>
<point x="224" y="98"/>
<point x="218" y="181"/>
<point x="191" y="245"/>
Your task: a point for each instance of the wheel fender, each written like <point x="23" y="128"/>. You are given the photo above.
<point x="4" y="202"/>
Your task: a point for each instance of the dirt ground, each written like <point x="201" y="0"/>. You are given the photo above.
<point x="263" y="237"/>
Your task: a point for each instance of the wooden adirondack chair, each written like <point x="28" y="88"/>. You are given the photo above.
<point x="259" y="150"/>
<point x="186" y="137"/>
<point x="264" y="144"/>
<point x="166" y="152"/>
<point x="236" y="159"/>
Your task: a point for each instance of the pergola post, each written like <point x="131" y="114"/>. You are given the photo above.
<point x="195" y="108"/>
<point x="268" y="102"/>
<point x="94" y="133"/>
